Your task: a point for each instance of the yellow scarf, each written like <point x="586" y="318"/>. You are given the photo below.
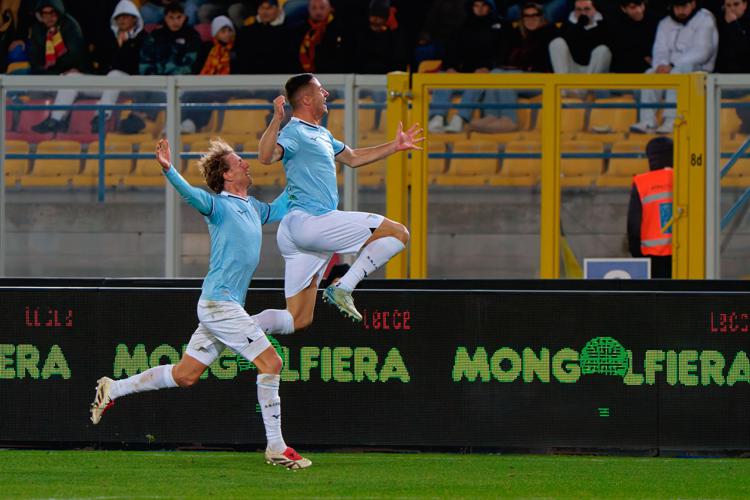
<point x="54" y="47"/>
<point x="217" y="62"/>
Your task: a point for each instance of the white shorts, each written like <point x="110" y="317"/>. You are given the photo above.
<point x="308" y="242"/>
<point x="225" y="324"/>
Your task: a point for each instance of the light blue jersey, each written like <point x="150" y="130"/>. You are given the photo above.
<point x="309" y="152"/>
<point x="234" y="225"/>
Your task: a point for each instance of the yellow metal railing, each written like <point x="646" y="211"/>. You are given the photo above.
<point x="411" y="104"/>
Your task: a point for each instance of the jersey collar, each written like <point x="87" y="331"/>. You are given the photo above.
<point x="303" y="122"/>
<point x="230" y="195"/>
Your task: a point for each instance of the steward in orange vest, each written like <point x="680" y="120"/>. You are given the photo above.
<point x="650" y="209"/>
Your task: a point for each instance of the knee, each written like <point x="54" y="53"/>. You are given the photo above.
<point x="402" y="233"/>
<point x="558" y="44"/>
<point x="302" y="322"/>
<point x="274" y="364"/>
<point x="185" y="380"/>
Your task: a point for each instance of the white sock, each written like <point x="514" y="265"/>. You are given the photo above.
<point x="371" y="258"/>
<point x="270" y="407"/>
<point x="279" y="321"/>
<point x="153" y="379"/>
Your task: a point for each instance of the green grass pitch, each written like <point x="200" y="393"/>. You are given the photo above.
<point x="130" y="474"/>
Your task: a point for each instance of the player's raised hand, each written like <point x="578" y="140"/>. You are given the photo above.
<point x="278" y="108"/>
<point x="163" y="154"/>
<point x="409" y="139"/>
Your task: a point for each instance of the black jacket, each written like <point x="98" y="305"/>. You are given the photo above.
<point x="479" y="43"/>
<point x="264" y="49"/>
<point x="632" y="42"/>
<point x="530" y="53"/>
<point x="334" y="54"/>
<point x="76" y="56"/>
<point x="734" y="45"/>
<point x="108" y="55"/>
<point x="582" y="42"/>
<point x="379" y="53"/>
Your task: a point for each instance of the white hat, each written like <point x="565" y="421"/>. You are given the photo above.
<point x="220" y="22"/>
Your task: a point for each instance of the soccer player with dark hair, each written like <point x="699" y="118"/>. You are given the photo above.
<point x="234" y="222"/>
<point x="314" y="229"/>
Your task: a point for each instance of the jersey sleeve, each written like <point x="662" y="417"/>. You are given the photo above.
<point x="288" y="141"/>
<point x="338" y="146"/>
<point x="195" y="197"/>
<point x="274" y="211"/>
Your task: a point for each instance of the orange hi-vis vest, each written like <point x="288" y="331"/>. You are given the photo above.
<point x="655" y="191"/>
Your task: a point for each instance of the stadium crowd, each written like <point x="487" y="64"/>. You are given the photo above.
<point x="219" y="37"/>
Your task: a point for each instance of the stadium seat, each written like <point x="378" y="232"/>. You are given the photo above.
<point x="729" y="122"/>
<point x="264" y="175"/>
<point x="519" y="171"/>
<point x="621" y="170"/>
<point x="192" y="172"/>
<point x="739" y="174"/>
<point x="580" y="172"/>
<point x="430" y="66"/>
<point x="641" y="139"/>
<point x="130" y="138"/>
<point x="608" y="125"/>
<point x="14" y="169"/>
<point x="79" y="125"/>
<point x="204" y="30"/>
<point x="27" y="118"/>
<point x="114" y="169"/>
<point x="524" y="124"/>
<point x="571" y="121"/>
<point x="147" y="172"/>
<point x="240" y="125"/>
<point x="372" y="174"/>
<point x="470" y="171"/>
<point x="53" y="171"/>
<point x="335" y="120"/>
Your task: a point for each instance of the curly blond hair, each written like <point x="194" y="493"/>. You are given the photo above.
<point x="212" y="165"/>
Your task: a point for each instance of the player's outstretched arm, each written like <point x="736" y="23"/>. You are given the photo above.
<point x="404" y="141"/>
<point x="197" y="198"/>
<point x="268" y="151"/>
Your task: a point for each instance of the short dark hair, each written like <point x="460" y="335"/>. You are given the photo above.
<point x="625" y="3"/>
<point x="660" y="153"/>
<point x="174" y="7"/>
<point x="294" y="84"/>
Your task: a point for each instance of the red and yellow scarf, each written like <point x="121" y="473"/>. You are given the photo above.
<point x="312" y="39"/>
<point x="54" y="47"/>
<point x="217" y="62"/>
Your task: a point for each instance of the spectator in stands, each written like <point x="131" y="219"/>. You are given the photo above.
<point x="117" y="53"/>
<point x="443" y="20"/>
<point x="582" y="46"/>
<point x="263" y="46"/>
<point x="205" y="11"/>
<point x="152" y="11"/>
<point x="14" y="37"/>
<point x="478" y="47"/>
<point x="219" y="59"/>
<point x="381" y="48"/>
<point x="734" y="51"/>
<point x="734" y="38"/>
<point x="650" y="209"/>
<point x="633" y="34"/>
<point x="528" y="51"/>
<point x="687" y="40"/>
<point x="56" y="47"/>
<point x="56" y="44"/>
<point x="553" y="10"/>
<point x="323" y="46"/>
<point x="172" y="49"/>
